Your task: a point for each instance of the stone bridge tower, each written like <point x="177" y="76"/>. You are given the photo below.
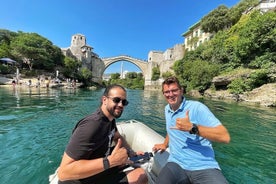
<point x="84" y="53"/>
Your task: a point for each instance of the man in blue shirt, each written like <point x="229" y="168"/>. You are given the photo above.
<point x="191" y="127"/>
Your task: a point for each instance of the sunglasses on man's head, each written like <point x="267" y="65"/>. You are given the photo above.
<point x="117" y="100"/>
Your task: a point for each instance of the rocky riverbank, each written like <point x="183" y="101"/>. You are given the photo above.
<point x="263" y="96"/>
<point x="34" y="82"/>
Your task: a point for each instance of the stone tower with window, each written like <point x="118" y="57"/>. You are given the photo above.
<point x="84" y="53"/>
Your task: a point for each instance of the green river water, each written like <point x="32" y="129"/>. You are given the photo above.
<point x="35" y="125"/>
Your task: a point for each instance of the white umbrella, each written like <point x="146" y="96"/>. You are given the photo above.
<point x="7" y="60"/>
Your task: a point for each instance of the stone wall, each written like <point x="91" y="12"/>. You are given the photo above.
<point x="163" y="60"/>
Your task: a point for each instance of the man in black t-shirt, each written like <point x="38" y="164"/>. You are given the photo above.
<point x="89" y="157"/>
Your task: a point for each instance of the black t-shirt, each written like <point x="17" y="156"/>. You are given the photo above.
<point x="92" y="137"/>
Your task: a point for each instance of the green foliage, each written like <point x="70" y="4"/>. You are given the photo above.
<point x="265" y="61"/>
<point x="6" y="69"/>
<point x="70" y="69"/>
<point x="167" y="74"/>
<point x="4" y="50"/>
<point x="258" y="78"/>
<point x="193" y="40"/>
<point x="71" y="63"/>
<point x="115" y="76"/>
<point x="238" y="86"/>
<point x="256" y="36"/>
<point x="155" y="73"/>
<point x="36" y="51"/>
<point x="236" y="11"/>
<point x="85" y="77"/>
<point x="255" y="80"/>
<point x="5" y="39"/>
<point x="216" y="20"/>
<point x="197" y="74"/>
<point x="132" y="81"/>
<point x="131" y="75"/>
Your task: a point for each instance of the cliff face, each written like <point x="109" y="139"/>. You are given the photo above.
<point x="264" y="95"/>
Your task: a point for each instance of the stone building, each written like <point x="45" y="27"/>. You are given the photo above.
<point x="84" y="53"/>
<point x="195" y="36"/>
<point x="164" y="61"/>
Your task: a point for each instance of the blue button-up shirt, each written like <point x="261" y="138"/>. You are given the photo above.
<point x="190" y="151"/>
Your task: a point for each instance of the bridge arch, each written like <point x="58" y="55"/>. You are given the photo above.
<point x="141" y="64"/>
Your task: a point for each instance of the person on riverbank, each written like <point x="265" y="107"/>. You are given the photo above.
<point x="191" y="127"/>
<point x="89" y="157"/>
<point x="47" y="82"/>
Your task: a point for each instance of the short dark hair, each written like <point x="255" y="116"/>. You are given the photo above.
<point x="108" y="88"/>
<point x="171" y="80"/>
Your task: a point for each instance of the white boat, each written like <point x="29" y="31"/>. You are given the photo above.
<point x="141" y="138"/>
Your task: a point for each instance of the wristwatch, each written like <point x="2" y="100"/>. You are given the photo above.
<point x="106" y="163"/>
<point x="194" y="129"/>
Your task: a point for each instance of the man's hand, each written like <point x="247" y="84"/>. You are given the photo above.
<point x="158" y="147"/>
<point x="119" y="155"/>
<point x="183" y="124"/>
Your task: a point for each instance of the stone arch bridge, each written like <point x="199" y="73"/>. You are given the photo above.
<point x="141" y="64"/>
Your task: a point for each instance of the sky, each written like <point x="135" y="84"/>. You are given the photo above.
<point x="111" y="27"/>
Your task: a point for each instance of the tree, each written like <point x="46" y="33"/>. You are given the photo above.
<point x="196" y="74"/>
<point x="71" y="67"/>
<point x="35" y="50"/>
<point x="115" y="76"/>
<point x="155" y="73"/>
<point x="216" y="20"/>
<point x="85" y="76"/>
<point x="167" y="74"/>
<point x="5" y="38"/>
<point x="236" y="11"/>
<point x="131" y="75"/>
<point x="256" y="36"/>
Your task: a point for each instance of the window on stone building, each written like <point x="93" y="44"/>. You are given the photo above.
<point x="201" y="32"/>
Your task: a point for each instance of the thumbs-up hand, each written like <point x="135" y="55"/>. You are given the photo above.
<point x="119" y="154"/>
<point x="183" y="124"/>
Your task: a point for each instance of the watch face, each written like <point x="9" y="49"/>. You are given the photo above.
<point x="194" y="130"/>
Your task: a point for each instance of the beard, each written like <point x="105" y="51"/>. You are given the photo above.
<point x="115" y="111"/>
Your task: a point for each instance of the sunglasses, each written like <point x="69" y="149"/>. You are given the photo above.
<point x="117" y="100"/>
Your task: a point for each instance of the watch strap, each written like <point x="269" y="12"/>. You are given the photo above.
<point x="106" y="163"/>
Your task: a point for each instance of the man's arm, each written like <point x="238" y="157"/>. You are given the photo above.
<point x="71" y="169"/>
<point x="216" y="134"/>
